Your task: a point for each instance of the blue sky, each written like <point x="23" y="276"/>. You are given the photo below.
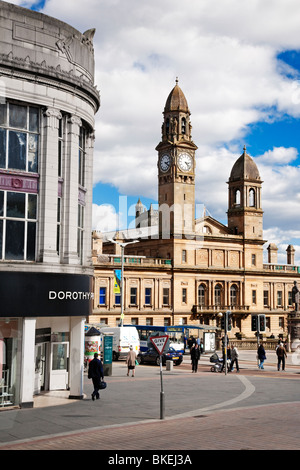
<point x="238" y="64"/>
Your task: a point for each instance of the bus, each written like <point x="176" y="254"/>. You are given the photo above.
<point x="175" y="333"/>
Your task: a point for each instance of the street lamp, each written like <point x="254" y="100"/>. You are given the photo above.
<point x="122" y="245"/>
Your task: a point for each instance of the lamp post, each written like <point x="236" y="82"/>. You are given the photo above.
<point x="122" y="245"/>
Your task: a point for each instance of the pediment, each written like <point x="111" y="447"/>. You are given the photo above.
<point x="207" y="225"/>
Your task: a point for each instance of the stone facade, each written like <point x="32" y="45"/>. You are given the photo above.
<point x="201" y="266"/>
<point x="47" y="105"/>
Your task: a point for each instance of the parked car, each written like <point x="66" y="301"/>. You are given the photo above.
<point x="152" y="357"/>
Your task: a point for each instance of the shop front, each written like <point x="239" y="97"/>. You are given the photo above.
<point x="42" y="334"/>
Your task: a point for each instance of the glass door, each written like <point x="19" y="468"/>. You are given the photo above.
<point x="59" y="366"/>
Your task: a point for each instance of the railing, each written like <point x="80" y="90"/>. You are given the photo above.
<point x="132" y="261"/>
<point x="220" y="308"/>
<point x="282" y="267"/>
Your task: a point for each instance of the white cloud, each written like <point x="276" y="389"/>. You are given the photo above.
<point x="225" y="55"/>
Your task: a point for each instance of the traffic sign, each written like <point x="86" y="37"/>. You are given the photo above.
<point x="159" y="342"/>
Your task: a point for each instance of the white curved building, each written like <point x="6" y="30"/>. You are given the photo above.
<point x="47" y="105"/>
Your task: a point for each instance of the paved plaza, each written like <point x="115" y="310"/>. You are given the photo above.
<point x="250" y="410"/>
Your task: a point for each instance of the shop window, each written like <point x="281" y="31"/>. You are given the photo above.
<point x="10" y="353"/>
<point x="18" y="215"/>
<point x="19" y="137"/>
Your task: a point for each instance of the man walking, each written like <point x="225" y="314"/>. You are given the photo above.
<point x="281" y="355"/>
<point x="195" y="356"/>
<point x="95" y="373"/>
<point x="234" y="358"/>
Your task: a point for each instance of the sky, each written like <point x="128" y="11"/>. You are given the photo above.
<point x="238" y="64"/>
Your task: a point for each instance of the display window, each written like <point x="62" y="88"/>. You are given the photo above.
<point x="10" y="361"/>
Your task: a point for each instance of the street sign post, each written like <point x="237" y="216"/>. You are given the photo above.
<point x="159" y="342"/>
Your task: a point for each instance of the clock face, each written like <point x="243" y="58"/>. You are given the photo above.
<point x="185" y="162"/>
<point x="165" y="162"/>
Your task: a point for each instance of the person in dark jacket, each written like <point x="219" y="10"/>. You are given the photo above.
<point x="261" y="353"/>
<point x="195" y="356"/>
<point x="95" y="373"/>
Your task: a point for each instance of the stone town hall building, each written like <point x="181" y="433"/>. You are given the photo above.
<point x="189" y="270"/>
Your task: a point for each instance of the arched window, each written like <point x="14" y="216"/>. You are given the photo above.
<point x="201" y="295"/>
<point x="218" y="292"/>
<point x="251" y="198"/>
<point x="233" y="295"/>
<point x="183" y="126"/>
<point x="167" y="126"/>
<point x="237" y="199"/>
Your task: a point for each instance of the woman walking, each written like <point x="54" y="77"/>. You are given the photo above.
<point x="261" y="353"/>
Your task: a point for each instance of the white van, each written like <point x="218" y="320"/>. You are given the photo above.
<point x="123" y="338"/>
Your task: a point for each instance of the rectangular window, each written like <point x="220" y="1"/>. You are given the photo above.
<point x="18" y="214"/>
<point x="14" y="246"/>
<point x="148" y="296"/>
<point x="133" y="296"/>
<point x="117" y="299"/>
<point x="60" y="146"/>
<point x="19" y="137"/>
<point x="58" y="225"/>
<point x="253" y="260"/>
<point x="266" y="298"/>
<point x="290" y="301"/>
<point x="81" y="157"/>
<point x="254" y="297"/>
<point x="166" y="296"/>
<point x="279" y="298"/>
<point x="281" y="322"/>
<point x="102" y="296"/>
<point x="149" y="321"/>
<point x="167" y="321"/>
<point x="184" y="295"/>
<point x="184" y="256"/>
<point x="80" y="231"/>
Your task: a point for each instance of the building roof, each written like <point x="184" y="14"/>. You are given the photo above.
<point x="244" y="168"/>
<point x="176" y="100"/>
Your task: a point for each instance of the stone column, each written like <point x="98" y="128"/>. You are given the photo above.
<point x="70" y="221"/>
<point x="49" y="188"/>
<point x="87" y="255"/>
<point x="27" y="363"/>
<point x="76" y="357"/>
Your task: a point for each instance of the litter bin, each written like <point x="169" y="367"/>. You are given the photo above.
<point x="169" y="365"/>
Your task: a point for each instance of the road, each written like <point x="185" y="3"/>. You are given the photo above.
<point x="249" y="410"/>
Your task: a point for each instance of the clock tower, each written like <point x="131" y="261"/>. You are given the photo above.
<point x="176" y="169"/>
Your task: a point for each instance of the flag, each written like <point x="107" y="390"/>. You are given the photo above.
<point x="117" y="281"/>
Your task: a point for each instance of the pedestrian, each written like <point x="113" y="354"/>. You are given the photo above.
<point x="95" y="373"/>
<point x="130" y="361"/>
<point x="195" y="356"/>
<point x="261" y="354"/>
<point x="234" y="358"/>
<point x="281" y="355"/>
